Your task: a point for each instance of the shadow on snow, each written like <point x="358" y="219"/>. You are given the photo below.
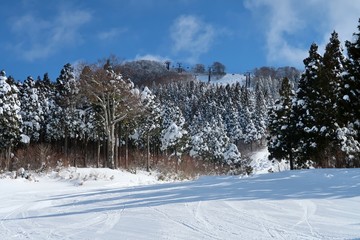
<point x="296" y="185"/>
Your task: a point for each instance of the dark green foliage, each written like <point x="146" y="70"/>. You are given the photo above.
<point x="324" y="117"/>
<point x="10" y="119"/>
<point x="281" y="138"/>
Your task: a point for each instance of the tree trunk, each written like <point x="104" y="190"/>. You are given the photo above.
<point x="291" y="158"/>
<point x="86" y="152"/>
<point x="111" y="146"/>
<point x="74" y="155"/>
<point x="291" y="161"/>
<point x="148" y="154"/>
<point x="8" y="159"/>
<point x="126" y="153"/>
<point x="119" y="146"/>
<point x="66" y="146"/>
<point x="98" y="154"/>
<point x="176" y="161"/>
<point x="104" y="159"/>
<point x="116" y="150"/>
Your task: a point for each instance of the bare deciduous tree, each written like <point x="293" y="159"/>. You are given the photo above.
<point x="113" y="97"/>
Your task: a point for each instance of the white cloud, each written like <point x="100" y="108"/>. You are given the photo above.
<point x="151" y="57"/>
<point x="343" y="17"/>
<point x="192" y="36"/>
<point x="289" y="23"/>
<point x="39" y="38"/>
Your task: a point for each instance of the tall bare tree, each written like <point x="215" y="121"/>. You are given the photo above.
<point x="113" y="98"/>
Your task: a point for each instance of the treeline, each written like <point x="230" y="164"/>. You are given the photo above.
<point x="319" y="124"/>
<point x="98" y="117"/>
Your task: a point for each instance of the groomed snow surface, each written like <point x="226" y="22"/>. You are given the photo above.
<point x="107" y="204"/>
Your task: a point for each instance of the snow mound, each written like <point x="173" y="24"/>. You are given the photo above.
<point x="104" y="176"/>
<point x="261" y="164"/>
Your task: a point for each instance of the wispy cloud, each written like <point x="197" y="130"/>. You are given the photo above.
<point x="192" y="36"/>
<point x="110" y="34"/>
<point x="286" y="21"/>
<point x="39" y="38"/>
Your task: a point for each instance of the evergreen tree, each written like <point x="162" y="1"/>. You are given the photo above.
<point x="232" y="122"/>
<point x="304" y="108"/>
<point x="67" y="91"/>
<point x="174" y="133"/>
<point x="326" y="104"/>
<point x="50" y="128"/>
<point x="148" y="126"/>
<point x="260" y="113"/>
<point x="281" y="139"/>
<point x="349" y="104"/>
<point x="31" y="110"/>
<point x="210" y="142"/>
<point x="10" y="119"/>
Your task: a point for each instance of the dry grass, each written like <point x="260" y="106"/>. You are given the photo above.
<point x="43" y="157"/>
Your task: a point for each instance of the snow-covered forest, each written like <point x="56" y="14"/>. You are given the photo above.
<point x="96" y="115"/>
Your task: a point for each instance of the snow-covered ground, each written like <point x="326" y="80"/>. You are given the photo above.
<point x="229" y="78"/>
<point x="107" y="204"/>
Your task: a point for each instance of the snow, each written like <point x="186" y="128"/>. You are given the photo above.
<point x="260" y="163"/>
<point x="306" y="204"/>
<point x="229" y="78"/>
<point x="25" y="139"/>
<point x="346" y="98"/>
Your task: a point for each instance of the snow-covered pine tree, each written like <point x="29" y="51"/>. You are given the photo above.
<point x="217" y="139"/>
<point x="326" y="107"/>
<point x="232" y="123"/>
<point x="31" y="110"/>
<point x="260" y="113"/>
<point x="349" y="104"/>
<point x="304" y="108"/>
<point x="173" y="134"/>
<point x="50" y="129"/>
<point x="67" y="91"/>
<point x="10" y="118"/>
<point x="148" y="127"/>
<point x="281" y="139"/>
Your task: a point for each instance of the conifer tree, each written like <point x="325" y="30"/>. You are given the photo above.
<point x="304" y="108"/>
<point x="325" y="106"/>
<point x="349" y="104"/>
<point x="260" y="113"/>
<point x="31" y="109"/>
<point x="281" y="139"/>
<point x="50" y="128"/>
<point x="67" y="91"/>
<point x="174" y="133"/>
<point x="10" y="119"/>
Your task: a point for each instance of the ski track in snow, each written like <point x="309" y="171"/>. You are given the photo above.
<point x="204" y="209"/>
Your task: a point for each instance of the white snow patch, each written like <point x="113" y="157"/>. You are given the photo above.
<point x="25" y="139"/>
<point x="261" y="164"/>
<point x="229" y="78"/>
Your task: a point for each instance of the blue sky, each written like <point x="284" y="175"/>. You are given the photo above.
<point x="40" y="36"/>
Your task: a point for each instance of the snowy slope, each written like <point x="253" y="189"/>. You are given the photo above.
<point x="229" y="78"/>
<point x="309" y="204"/>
